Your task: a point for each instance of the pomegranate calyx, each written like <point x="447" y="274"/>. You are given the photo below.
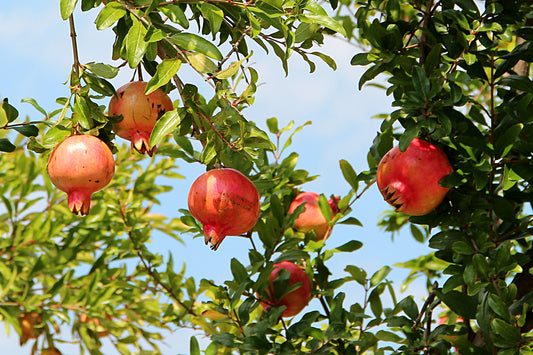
<point x="79" y="202"/>
<point x="213" y="236"/>
<point x="140" y="141"/>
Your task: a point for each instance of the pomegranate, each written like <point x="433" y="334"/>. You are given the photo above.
<point x="80" y="166"/>
<point x="409" y="180"/>
<point x="312" y="218"/>
<point x="226" y="202"/>
<point x="50" y="351"/>
<point x="95" y="325"/>
<point x="140" y="112"/>
<point x="27" y="322"/>
<point x="294" y="301"/>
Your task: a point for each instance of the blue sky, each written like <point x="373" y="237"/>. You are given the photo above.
<point x="36" y="60"/>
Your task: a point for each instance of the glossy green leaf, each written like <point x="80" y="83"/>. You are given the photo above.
<point x="175" y="14"/>
<point x="111" y="13"/>
<point x="103" y="70"/>
<point x="6" y="145"/>
<point x="36" y="105"/>
<point x="193" y="42"/>
<point x="357" y="273"/>
<point x="201" y="63"/>
<point x="380" y="275"/>
<point x="135" y="44"/>
<point x="165" y="71"/>
<point x="213" y="14"/>
<point x="349" y="174"/>
<point x="165" y="125"/>
<point x="67" y="8"/>
<point x="323" y="20"/>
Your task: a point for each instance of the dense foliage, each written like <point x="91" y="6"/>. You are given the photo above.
<point x="459" y="74"/>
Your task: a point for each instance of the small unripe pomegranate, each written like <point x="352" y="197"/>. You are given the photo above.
<point x="27" y="322"/>
<point x="296" y="300"/>
<point x="226" y="202"/>
<point x="312" y="218"/>
<point x="95" y="325"/>
<point x="51" y="351"/>
<point x="80" y="166"/>
<point x="140" y="112"/>
<point x="409" y="180"/>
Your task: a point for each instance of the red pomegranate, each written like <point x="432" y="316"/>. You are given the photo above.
<point x="409" y="180"/>
<point x="140" y="112"/>
<point x="296" y="300"/>
<point x="80" y="166"/>
<point x="312" y="218"/>
<point x="226" y="202"/>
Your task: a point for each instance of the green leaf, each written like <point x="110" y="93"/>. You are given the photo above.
<point x="6" y="145"/>
<point x="238" y="271"/>
<point x="35" y="104"/>
<point x="385" y="335"/>
<point x="28" y="130"/>
<point x="201" y="63"/>
<point x="509" y="333"/>
<point x="67" y="8"/>
<point x="323" y="20"/>
<point x="349" y="247"/>
<point x="194" y="347"/>
<point x="460" y="303"/>
<point x="357" y="273"/>
<point x="231" y="70"/>
<point x="504" y="144"/>
<point x="102" y="70"/>
<point x="166" y="124"/>
<point x="380" y="275"/>
<point x="408" y="305"/>
<point x="349" y="174"/>
<point x="272" y="124"/>
<point x="135" y="44"/>
<point x="325" y="208"/>
<point x="193" y="42"/>
<point x="499" y="307"/>
<point x="11" y="112"/>
<point x="327" y="59"/>
<point x="111" y="13"/>
<point x="351" y="221"/>
<point x="421" y="82"/>
<point x="518" y="82"/>
<point x="165" y="71"/>
<point x="175" y="14"/>
<point x="213" y="14"/>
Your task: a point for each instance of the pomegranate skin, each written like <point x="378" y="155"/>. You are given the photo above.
<point x="296" y="300"/>
<point x="409" y="181"/>
<point x="80" y="166"/>
<point x="226" y="202"/>
<point x="140" y="113"/>
<point x="312" y="218"/>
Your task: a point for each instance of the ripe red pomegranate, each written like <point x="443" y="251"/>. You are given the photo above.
<point x="80" y="166"/>
<point x="140" y="112"/>
<point x="409" y="180"/>
<point x="312" y="218"/>
<point x="296" y="300"/>
<point x="226" y="202"/>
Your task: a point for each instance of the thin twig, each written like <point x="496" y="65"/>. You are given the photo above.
<point x="429" y="301"/>
<point x="76" y="64"/>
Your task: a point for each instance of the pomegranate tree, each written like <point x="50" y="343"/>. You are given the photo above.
<point x="409" y="180"/>
<point x="226" y="202"/>
<point x="294" y="301"/>
<point x="80" y="166"/>
<point x="312" y="217"/>
<point x="140" y="112"/>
